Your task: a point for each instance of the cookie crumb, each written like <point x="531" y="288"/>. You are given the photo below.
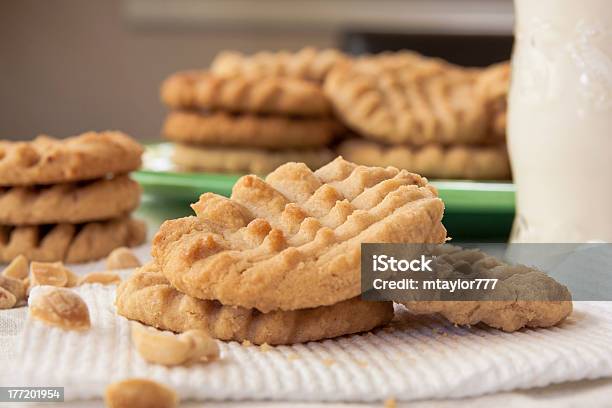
<point x="246" y="343"/>
<point x="361" y="363"/>
<point x="293" y="357"/>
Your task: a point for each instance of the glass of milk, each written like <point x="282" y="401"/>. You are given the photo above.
<point x="560" y="120"/>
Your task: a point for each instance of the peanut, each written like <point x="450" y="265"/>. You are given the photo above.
<point x="48" y="273"/>
<point x="203" y="347"/>
<point x="7" y="299"/>
<point x="139" y="393"/>
<point x="122" y="258"/>
<point x="72" y="279"/>
<point x="60" y="307"/>
<point x="168" y="349"/>
<point x="15" y="286"/>
<point x="17" y="269"/>
<point x="104" y="278"/>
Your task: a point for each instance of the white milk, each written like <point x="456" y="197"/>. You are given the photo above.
<point x="560" y="120"/>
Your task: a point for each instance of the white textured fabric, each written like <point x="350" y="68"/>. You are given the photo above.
<point x="422" y="358"/>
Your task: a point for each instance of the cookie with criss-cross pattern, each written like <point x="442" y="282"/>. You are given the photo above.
<point x="68" y="242"/>
<point x="268" y="132"/>
<point x="147" y="296"/>
<point x="407" y="98"/>
<point x="72" y="203"/>
<point x="46" y="160"/>
<point x="293" y="241"/>
<point x="308" y="63"/>
<point x="247" y="94"/>
<point x="493" y="86"/>
<point x="244" y="160"/>
<point x="522" y="296"/>
<point x="436" y="161"/>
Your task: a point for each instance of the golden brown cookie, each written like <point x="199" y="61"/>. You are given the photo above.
<point x="46" y="160"/>
<point x="408" y="99"/>
<point x="269" y="132"/>
<point x="70" y="243"/>
<point x="294" y="240"/>
<point x="538" y="300"/>
<point x="308" y="63"/>
<point x="71" y="203"/>
<point x="436" y="161"/>
<point x="244" y="160"/>
<point x="205" y="90"/>
<point x="404" y="59"/>
<point x="147" y="296"/>
<point x="494" y="85"/>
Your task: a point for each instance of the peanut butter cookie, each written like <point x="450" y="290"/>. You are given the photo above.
<point x="436" y="161"/>
<point x="406" y="98"/>
<point x="493" y="86"/>
<point x="68" y="242"/>
<point x="205" y="90"/>
<point x="269" y="132"/>
<point x="46" y="160"/>
<point x="148" y="297"/>
<point x="523" y="296"/>
<point x="71" y="203"/>
<point x="308" y="63"/>
<point x="294" y="240"/>
<point x="244" y="160"/>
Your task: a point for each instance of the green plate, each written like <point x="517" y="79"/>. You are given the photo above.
<point x="474" y="210"/>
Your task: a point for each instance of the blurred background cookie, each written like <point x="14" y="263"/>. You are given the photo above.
<point x="244" y="160"/>
<point x="248" y="130"/>
<point x="47" y="160"/>
<point x="246" y="94"/>
<point x="69" y="199"/>
<point x="433" y="160"/>
<point x="252" y="118"/>
<point x="308" y="63"/>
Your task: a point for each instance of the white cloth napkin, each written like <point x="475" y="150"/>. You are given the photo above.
<point x="421" y="358"/>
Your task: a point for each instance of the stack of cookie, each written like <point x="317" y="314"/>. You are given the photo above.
<point x="423" y="115"/>
<point x="251" y="114"/>
<point x="68" y="200"/>
<point x="279" y="261"/>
